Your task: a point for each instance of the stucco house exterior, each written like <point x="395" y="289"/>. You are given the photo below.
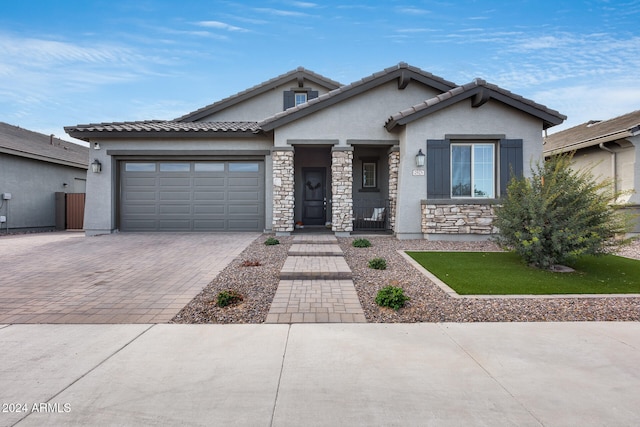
<point x="610" y="149"/>
<point x="400" y="150"/>
<point x="33" y="168"/>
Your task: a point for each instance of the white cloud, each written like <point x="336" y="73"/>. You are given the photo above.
<point x="221" y="26"/>
<point x="280" y="12"/>
<point x="413" y="11"/>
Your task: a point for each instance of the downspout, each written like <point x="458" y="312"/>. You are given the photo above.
<point x="614" y="168"/>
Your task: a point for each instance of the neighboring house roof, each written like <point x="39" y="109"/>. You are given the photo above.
<point x="25" y="143"/>
<point x="480" y="92"/>
<point x="300" y="74"/>
<point x="403" y="72"/>
<point x="593" y="132"/>
<point x="151" y="128"/>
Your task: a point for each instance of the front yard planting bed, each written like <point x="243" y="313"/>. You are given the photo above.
<point x="504" y="273"/>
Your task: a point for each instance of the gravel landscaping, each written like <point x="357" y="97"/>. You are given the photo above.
<point x="257" y="284"/>
<point x="428" y="302"/>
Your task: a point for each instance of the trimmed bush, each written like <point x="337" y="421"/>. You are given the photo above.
<point x="361" y="243"/>
<point x="378" y="264"/>
<point x="559" y="214"/>
<point x="391" y="296"/>
<point x="272" y="241"/>
<point x="228" y="297"/>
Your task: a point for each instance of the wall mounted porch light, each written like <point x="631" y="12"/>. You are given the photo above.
<point x="96" y="166"/>
<point x="420" y="158"/>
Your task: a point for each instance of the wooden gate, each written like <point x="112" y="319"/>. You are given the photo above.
<point x="75" y="211"/>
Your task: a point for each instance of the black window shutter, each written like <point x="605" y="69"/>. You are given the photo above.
<point x="289" y="99"/>
<point x="438" y="169"/>
<point x="312" y="94"/>
<point x="510" y="162"/>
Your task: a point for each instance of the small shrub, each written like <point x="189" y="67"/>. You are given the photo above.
<point x="272" y="241"/>
<point x="378" y="264"/>
<point x="361" y="243"/>
<point x="250" y="263"/>
<point x="391" y="296"/>
<point x="228" y="297"/>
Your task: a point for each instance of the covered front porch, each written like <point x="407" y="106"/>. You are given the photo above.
<point x="344" y="189"/>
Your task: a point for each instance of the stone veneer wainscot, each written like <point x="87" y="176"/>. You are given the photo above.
<point x="464" y="218"/>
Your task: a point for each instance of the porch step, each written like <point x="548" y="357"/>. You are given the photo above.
<point x="315" y="267"/>
<point x="315" y="249"/>
<point x="316" y="239"/>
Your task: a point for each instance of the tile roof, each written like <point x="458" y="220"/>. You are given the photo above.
<point x="299" y="73"/>
<point x="153" y="127"/>
<point x="403" y="71"/>
<point x="21" y="142"/>
<point x="481" y="91"/>
<point x="593" y="132"/>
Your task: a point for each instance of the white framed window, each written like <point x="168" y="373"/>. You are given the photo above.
<point x="473" y="170"/>
<point x="300" y="97"/>
<point x="369" y="172"/>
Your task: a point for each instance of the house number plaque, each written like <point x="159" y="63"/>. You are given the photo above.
<point x="418" y="172"/>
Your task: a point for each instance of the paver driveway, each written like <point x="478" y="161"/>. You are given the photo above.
<point x="117" y="278"/>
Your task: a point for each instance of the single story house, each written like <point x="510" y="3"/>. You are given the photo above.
<point x="33" y="168"/>
<point x="401" y="150"/>
<point x="610" y="149"/>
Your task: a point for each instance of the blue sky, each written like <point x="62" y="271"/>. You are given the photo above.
<point x="71" y="62"/>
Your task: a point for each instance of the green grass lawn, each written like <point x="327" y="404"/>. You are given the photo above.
<point x="504" y="273"/>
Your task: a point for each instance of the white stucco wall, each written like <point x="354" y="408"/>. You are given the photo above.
<point x="261" y="106"/>
<point x="493" y="118"/>
<point x="360" y="117"/>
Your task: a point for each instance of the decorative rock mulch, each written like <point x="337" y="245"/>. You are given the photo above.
<point x="428" y="302"/>
<point x="256" y="283"/>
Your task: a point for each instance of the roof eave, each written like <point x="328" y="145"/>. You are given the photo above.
<point x="590" y="142"/>
<point x="88" y="136"/>
<point x="403" y="75"/>
<point x="45" y="158"/>
<point x="299" y="74"/>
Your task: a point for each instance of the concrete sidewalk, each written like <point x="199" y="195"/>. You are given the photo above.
<point x="493" y="374"/>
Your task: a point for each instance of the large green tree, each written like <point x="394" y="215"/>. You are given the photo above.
<point x="560" y="213"/>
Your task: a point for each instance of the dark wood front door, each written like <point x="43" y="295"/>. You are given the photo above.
<point x="314" y="198"/>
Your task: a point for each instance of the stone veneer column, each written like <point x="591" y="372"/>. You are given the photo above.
<point x="394" y="167"/>
<point x="283" y="190"/>
<point x="342" y="190"/>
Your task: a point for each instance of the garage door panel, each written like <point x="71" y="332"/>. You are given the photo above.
<point x="175" y="195"/>
<point x="140" y="196"/>
<point x="140" y="181"/>
<point x="174" y="225"/>
<point x="211" y="195"/>
<point x="243" y="210"/>
<point x="241" y="224"/>
<point x="247" y="181"/>
<point x="209" y="209"/>
<point x="174" y="209"/>
<point x="249" y="196"/>
<point x="140" y="209"/>
<point x="209" y="182"/>
<point x="143" y="224"/>
<point x="210" y="224"/>
<point x="192" y="196"/>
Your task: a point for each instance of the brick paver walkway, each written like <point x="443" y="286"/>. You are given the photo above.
<point x="116" y="278"/>
<point x="315" y="284"/>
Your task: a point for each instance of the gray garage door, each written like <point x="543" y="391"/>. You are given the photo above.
<point x="192" y="196"/>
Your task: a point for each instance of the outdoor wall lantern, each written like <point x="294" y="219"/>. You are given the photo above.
<point x="420" y="158"/>
<point x="96" y="166"/>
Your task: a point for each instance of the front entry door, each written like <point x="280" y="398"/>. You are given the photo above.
<point x="314" y="199"/>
